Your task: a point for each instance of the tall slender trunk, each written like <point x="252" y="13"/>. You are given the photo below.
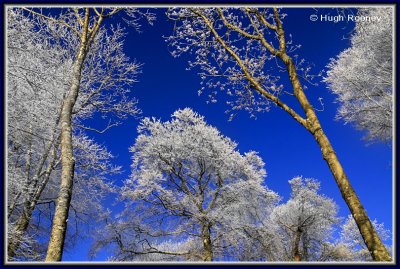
<point x="206" y="237"/>
<point x="59" y="228"/>
<point x="56" y="244"/>
<point x="370" y="236"/>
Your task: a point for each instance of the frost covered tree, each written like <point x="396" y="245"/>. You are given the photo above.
<point x="305" y="222"/>
<point x="95" y="79"/>
<point x="189" y="185"/>
<point x="240" y="51"/>
<point x="362" y="76"/>
<point x="35" y="89"/>
<point x="37" y="78"/>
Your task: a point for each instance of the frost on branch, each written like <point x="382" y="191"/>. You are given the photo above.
<point x="189" y="181"/>
<point x="212" y="35"/>
<point x="305" y="222"/>
<point x="107" y="77"/>
<point x="362" y="76"/>
<point x="234" y="49"/>
<point x="39" y="64"/>
<point x="34" y="91"/>
<point x="218" y="70"/>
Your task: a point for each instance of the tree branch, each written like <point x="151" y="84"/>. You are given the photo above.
<point x="251" y="79"/>
<point x="109" y="125"/>
<point x="52" y="20"/>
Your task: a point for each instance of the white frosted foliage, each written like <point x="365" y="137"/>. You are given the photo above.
<point x="362" y="76"/>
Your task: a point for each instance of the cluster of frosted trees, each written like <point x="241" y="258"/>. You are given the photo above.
<point x="192" y="195"/>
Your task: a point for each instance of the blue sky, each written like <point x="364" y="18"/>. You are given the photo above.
<point x="287" y="148"/>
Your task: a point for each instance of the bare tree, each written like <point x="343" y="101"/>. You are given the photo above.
<point x="237" y="50"/>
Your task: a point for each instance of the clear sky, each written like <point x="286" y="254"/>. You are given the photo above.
<point x="287" y="148"/>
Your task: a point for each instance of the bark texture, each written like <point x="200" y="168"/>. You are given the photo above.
<point x="56" y="244"/>
<point x="59" y="228"/>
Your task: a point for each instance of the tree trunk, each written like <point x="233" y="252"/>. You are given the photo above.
<point x="20" y="229"/>
<point x="29" y="206"/>
<point x="56" y="244"/>
<point x="296" y="246"/>
<point x="371" y="238"/>
<point x="206" y="237"/>
<point x="59" y="228"/>
<point x="24" y="220"/>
